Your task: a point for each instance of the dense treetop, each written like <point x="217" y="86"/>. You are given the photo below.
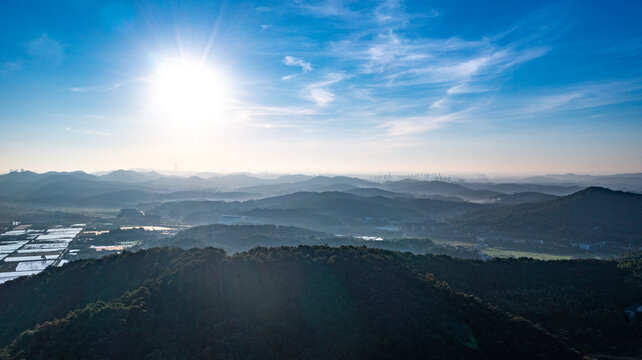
<point x="319" y="302"/>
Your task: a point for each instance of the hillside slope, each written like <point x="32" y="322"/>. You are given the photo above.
<point x="321" y="211"/>
<point x="591" y="215"/>
<point x="238" y="238"/>
<point x="282" y="303"/>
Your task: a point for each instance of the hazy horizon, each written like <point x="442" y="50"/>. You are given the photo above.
<point x="274" y="174"/>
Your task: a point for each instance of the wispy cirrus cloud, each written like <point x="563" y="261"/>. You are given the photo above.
<point x="406" y="62"/>
<point x="584" y="96"/>
<point x="258" y="110"/>
<point x="98" y="88"/>
<point x="431" y="76"/>
<point x="111" y="85"/>
<point x="87" y="132"/>
<point x="412" y="125"/>
<point x="327" y="8"/>
<point x="573" y="101"/>
<point x="9" y="66"/>
<point x="46" y="48"/>
<point x="319" y="93"/>
<point x="293" y="61"/>
<point x="320" y="96"/>
<point x="405" y="82"/>
<point x="550" y="102"/>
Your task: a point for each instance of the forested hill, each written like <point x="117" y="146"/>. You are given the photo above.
<point x="593" y="214"/>
<point x="237" y="238"/>
<point x="283" y="303"/>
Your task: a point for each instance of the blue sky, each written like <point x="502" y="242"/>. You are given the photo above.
<point x="322" y="86"/>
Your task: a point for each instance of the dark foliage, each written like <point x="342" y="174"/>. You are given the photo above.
<point x="304" y="303"/>
<point x="583" y="302"/>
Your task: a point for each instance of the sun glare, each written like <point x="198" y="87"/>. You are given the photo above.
<point x="188" y="93"/>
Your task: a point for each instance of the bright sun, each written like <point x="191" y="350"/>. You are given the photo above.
<point x="188" y="92"/>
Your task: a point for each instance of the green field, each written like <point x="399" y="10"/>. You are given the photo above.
<point x="453" y="242"/>
<point x="496" y="252"/>
<point x="94" y="212"/>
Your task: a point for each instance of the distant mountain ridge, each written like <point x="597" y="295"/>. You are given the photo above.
<point x="418" y="187"/>
<point x="314" y="210"/>
<point x="513" y="188"/>
<point x="523" y="197"/>
<point x="631" y="182"/>
<point x="78" y="189"/>
<point x="129" y="176"/>
<point x="317" y="183"/>
<point x="591" y="215"/>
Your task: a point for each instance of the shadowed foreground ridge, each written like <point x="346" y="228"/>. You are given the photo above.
<point x="305" y="302"/>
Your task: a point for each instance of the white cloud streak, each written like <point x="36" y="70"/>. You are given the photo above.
<point x="320" y="96"/>
<point x="327" y="8"/>
<point x="292" y="61"/>
<point x="318" y="92"/>
<point x="416" y="124"/>
<point x="99" y="88"/>
<point x="87" y="132"/>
